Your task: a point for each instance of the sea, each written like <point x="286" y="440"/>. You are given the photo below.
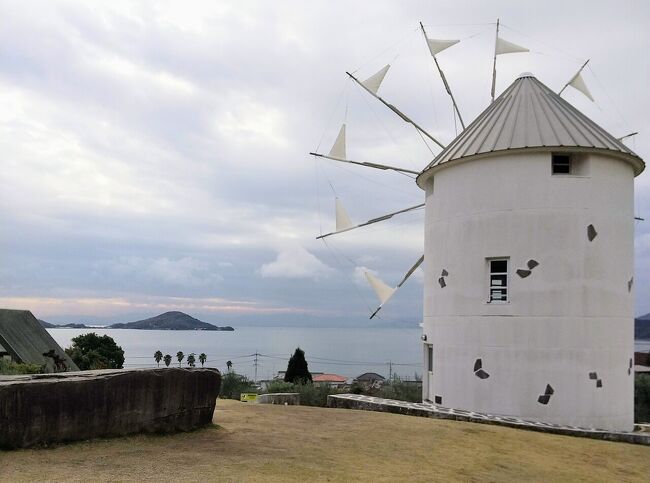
<point x="260" y="352"/>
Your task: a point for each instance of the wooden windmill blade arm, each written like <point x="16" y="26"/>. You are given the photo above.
<point x="410" y="272"/>
<point x="367" y="164"/>
<point x="399" y="113"/>
<point x="374" y="220"/>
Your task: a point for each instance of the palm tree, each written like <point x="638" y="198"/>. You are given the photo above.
<point x="158" y="357"/>
<point x="191" y="360"/>
<point x="180" y="356"/>
<point x="167" y="359"/>
<point x="202" y="358"/>
<point x="229" y="365"/>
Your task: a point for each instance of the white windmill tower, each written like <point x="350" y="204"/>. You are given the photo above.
<point x="529" y="229"/>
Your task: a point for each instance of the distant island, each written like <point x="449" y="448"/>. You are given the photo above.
<point x="168" y="321"/>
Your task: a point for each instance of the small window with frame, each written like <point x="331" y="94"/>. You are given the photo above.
<point x="498" y="280"/>
<point x="430" y="358"/>
<point x="561" y="164"/>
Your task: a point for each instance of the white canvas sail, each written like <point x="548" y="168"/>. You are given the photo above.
<point x="373" y="82"/>
<point x="343" y="221"/>
<point x="437" y="45"/>
<point x="579" y="83"/>
<point x="505" y="47"/>
<point x="338" y="149"/>
<point x="383" y="291"/>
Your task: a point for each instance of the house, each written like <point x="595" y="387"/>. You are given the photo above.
<point x="332" y="380"/>
<point x="370" y="379"/>
<point x="529" y="272"/>
<point x="24" y="340"/>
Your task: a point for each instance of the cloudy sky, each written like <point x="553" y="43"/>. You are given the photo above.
<point x="154" y="155"/>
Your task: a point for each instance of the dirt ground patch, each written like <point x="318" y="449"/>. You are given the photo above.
<point x="294" y="443"/>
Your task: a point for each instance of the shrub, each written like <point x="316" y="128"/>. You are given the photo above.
<point x="8" y="367"/>
<point x="280" y="386"/>
<point x="233" y="384"/>
<point x="642" y="398"/>
<point x="402" y="391"/>
<point x="310" y="394"/>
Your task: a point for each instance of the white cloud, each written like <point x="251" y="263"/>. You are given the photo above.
<point x="295" y="262"/>
<point x="182" y="272"/>
<point x="359" y="275"/>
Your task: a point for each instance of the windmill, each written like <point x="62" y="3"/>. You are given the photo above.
<point x="529" y="223"/>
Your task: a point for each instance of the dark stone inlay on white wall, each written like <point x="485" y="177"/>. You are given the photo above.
<point x="444" y="273"/>
<point x="546" y="397"/>
<point x="591" y="232"/>
<point x="523" y="273"/>
<point x="438" y="399"/>
<point x="442" y="282"/>
<point x="532" y="263"/>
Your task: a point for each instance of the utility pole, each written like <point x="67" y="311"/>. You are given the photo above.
<point x="390" y="369"/>
<point x="255" y="364"/>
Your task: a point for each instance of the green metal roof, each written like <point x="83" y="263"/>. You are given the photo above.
<point x="23" y="337"/>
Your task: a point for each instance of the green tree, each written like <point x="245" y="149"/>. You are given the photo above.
<point x="202" y="358"/>
<point x="191" y="360"/>
<point x="180" y="356"/>
<point x="91" y="351"/>
<point x="297" y="370"/>
<point x="167" y="359"/>
<point x="158" y="357"/>
<point x="229" y="365"/>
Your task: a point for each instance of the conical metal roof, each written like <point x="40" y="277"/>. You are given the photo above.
<point x="530" y="115"/>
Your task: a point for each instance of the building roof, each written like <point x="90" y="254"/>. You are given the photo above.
<point x="530" y="115"/>
<point x="23" y="337"/>
<point x="328" y="378"/>
<point x="370" y="376"/>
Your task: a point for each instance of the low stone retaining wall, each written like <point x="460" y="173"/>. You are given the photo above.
<point x="429" y="410"/>
<point x="51" y="408"/>
<point x="283" y="398"/>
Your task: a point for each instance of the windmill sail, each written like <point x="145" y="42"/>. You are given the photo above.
<point x="373" y="82"/>
<point x="343" y="221"/>
<point x="383" y="291"/>
<point x="578" y="83"/>
<point x="505" y="47"/>
<point x="501" y="47"/>
<point x="338" y="149"/>
<point x="436" y="45"/>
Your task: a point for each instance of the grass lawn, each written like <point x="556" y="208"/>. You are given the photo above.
<point x="293" y="443"/>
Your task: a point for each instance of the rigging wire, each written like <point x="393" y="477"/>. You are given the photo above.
<point x="565" y="53"/>
<point x="609" y="98"/>
<point x="383" y="126"/>
<point x="403" y="39"/>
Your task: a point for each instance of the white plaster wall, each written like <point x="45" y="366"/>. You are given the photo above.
<point x="573" y="315"/>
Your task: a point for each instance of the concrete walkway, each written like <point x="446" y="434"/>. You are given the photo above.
<point x="430" y="410"/>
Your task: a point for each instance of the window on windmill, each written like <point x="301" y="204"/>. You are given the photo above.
<point x="498" y="279"/>
<point x="561" y="163"/>
<point x="430" y="358"/>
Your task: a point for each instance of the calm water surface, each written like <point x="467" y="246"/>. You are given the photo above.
<point x="345" y="351"/>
